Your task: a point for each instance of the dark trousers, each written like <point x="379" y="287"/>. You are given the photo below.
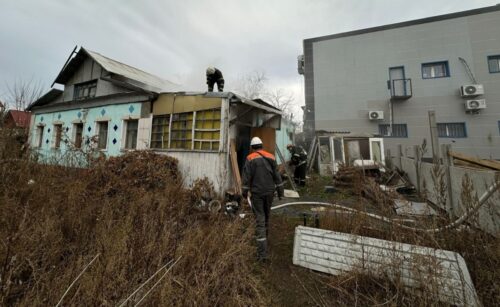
<point x="300" y="174"/>
<point x="220" y="85"/>
<point x="261" y="207"/>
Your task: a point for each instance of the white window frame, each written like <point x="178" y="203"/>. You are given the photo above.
<point x="74" y="130"/>
<point x="97" y="125"/>
<point x="54" y="135"/>
<point x="123" y="141"/>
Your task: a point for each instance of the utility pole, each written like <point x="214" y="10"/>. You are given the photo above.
<point x="434" y="137"/>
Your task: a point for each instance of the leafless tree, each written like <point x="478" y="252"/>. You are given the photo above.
<point x="21" y="93"/>
<point x="283" y="100"/>
<point x="252" y="85"/>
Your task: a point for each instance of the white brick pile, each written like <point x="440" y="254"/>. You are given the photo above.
<point x="427" y="271"/>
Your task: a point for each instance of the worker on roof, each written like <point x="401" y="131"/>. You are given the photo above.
<point x="299" y="159"/>
<point x="215" y="76"/>
<point x="261" y="179"/>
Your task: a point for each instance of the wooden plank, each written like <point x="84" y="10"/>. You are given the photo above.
<point x="311" y="149"/>
<point x="287" y="171"/>
<point x="486" y="163"/>
<point x="234" y="167"/>
<point x="268" y="137"/>
<point x="313" y="155"/>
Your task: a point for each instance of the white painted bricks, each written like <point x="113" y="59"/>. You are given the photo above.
<point x="439" y="273"/>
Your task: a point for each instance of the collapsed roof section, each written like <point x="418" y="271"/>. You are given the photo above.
<point x="116" y="71"/>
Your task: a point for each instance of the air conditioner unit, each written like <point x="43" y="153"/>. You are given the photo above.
<point x="471" y="90"/>
<point x="376" y="115"/>
<point x="476" y="104"/>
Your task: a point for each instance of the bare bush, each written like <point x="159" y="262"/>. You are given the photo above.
<point x="134" y="213"/>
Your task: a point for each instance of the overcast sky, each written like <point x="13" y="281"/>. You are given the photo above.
<point x="178" y="39"/>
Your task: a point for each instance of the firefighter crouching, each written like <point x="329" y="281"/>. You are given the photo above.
<point x="261" y="178"/>
<point x="299" y="159"/>
<point x="215" y="76"/>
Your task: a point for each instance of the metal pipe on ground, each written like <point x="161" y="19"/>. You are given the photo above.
<point x="482" y="200"/>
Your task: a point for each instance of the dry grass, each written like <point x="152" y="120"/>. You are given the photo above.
<point x="480" y="250"/>
<point x="132" y="212"/>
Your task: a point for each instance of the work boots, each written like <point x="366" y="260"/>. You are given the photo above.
<point x="262" y="250"/>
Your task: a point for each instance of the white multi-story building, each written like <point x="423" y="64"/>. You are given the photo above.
<point x="384" y="80"/>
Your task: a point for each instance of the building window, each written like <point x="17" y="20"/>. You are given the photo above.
<point x="102" y="135"/>
<point x="435" y="70"/>
<point x="182" y="130"/>
<point x="207" y="130"/>
<point x="398" y="130"/>
<point x="131" y="133"/>
<point x="451" y="130"/>
<point x="160" y="131"/>
<point x="39" y="136"/>
<point x="57" y="136"/>
<point x="85" y="90"/>
<point x="494" y="63"/>
<point x="78" y="128"/>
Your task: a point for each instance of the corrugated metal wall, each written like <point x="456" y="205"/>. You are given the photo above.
<point x="196" y="165"/>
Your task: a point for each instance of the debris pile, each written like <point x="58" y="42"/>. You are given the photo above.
<point x="365" y="185"/>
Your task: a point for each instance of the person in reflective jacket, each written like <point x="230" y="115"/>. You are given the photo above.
<point x="261" y="178"/>
<point x="215" y="76"/>
<point x="299" y="159"/>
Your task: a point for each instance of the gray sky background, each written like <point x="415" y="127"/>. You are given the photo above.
<point x="178" y="39"/>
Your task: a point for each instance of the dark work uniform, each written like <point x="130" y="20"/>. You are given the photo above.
<point x="261" y="177"/>
<point x="299" y="159"/>
<point x="216" y="77"/>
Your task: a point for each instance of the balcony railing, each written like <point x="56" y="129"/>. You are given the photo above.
<point x="401" y="89"/>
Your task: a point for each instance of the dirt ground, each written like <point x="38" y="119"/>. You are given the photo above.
<point x="292" y="285"/>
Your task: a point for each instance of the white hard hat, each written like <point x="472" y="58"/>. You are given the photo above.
<point x="255" y="141"/>
<point x="210" y="70"/>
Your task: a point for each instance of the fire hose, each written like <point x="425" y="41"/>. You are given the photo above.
<point x="463" y="218"/>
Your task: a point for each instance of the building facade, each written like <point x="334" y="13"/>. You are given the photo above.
<point x="104" y="109"/>
<point x="384" y="80"/>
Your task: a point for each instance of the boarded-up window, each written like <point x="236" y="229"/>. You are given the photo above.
<point x="207" y="130"/>
<point x="131" y="133"/>
<point x="182" y="130"/>
<point x="159" y="134"/>
<point x="78" y="135"/>
<point x="102" y="134"/>
<point x="57" y="135"/>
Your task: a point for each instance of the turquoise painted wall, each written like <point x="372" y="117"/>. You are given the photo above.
<point x="115" y="114"/>
<point x="283" y="138"/>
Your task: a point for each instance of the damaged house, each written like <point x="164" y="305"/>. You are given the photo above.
<point x="109" y="108"/>
<point x="202" y="130"/>
<point x="104" y="104"/>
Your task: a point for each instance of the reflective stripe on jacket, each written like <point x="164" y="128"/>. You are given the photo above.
<point x="260" y="173"/>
